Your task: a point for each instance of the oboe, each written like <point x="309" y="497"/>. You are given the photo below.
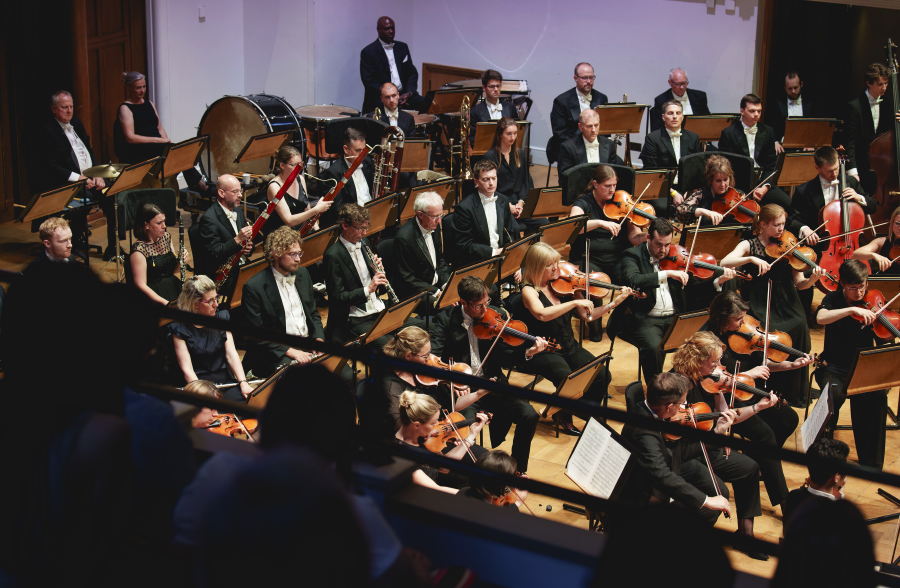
<point x="181" y="247"/>
<point x="390" y="291"/>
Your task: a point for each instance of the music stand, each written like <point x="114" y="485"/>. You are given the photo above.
<point x="263" y="146"/>
<point x="887" y="285"/>
<point x="50" y="203"/>
<point x="680" y="330"/>
<point x="184" y="155"/>
<point x="544" y="203"/>
<point x="416" y="155"/>
<point x="485" y="131"/>
<point x="391" y="319"/>
<point x="131" y="177"/>
<point x="380" y="210"/>
<point x="717" y="241"/>
<point x="316" y="244"/>
<point x="245" y="272"/>
<point x="514" y="253"/>
<point x="486" y="270"/>
<point x="657" y="183"/>
<point x="802" y="133"/>
<point x="444" y="189"/>
<point x="574" y="385"/>
<point x="447" y="101"/>
<point x="562" y="234"/>
<point x="621" y="119"/>
<point x="708" y="126"/>
<point x="796" y="169"/>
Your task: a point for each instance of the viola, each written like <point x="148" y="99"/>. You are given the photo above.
<point x="571" y="280"/>
<point x="514" y="334"/>
<point x="228" y="425"/>
<point x="622" y="205"/>
<point x="841" y="216"/>
<point x="743" y="386"/>
<point x="800" y="258"/>
<point x="703" y="265"/>
<point x="447" y="429"/>
<point x="750" y="338"/>
<point x="435" y="361"/>
<point x="703" y="415"/>
<point x="887" y="325"/>
<point x="741" y="207"/>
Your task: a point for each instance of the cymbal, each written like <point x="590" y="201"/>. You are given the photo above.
<point x="107" y="170"/>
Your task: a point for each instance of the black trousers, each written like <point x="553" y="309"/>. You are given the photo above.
<point x="738" y="469"/>
<point x="772" y="427"/>
<point x="868" y="412"/>
<point x="556" y="367"/>
<point x="506" y="411"/>
<point x="776" y="195"/>
<point x="647" y="334"/>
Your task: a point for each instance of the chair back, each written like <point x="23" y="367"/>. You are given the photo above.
<point x="131" y="201"/>
<point x="575" y="179"/>
<point x="634" y="395"/>
<point x="451" y="235"/>
<point x="385" y="250"/>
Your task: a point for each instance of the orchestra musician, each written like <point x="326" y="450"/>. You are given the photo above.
<point x="207" y="354"/>
<point x="391" y="114"/>
<point x="586" y="147"/>
<point x="751" y="138"/>
<point x="483" y="219"/>
<point x="359" y="189"/>
<point x="786" y="311"/>
<point x="568" y="105"/>
<point x="513" y="178"/>
<point x="823" y="482"/>
<point x="665" y="146"/>
<point x="206" y="416"/>
<point x="868" y="115"/>
<point x="154" y="260"/>
<point x="792" y="104"/>
<point x="223" y="231"/>
<point x="294" y="208"/>
<point x="647" y="320"/>
<point x="138" y="134"/>
<point x="57" y="239"/>
<point x="491" y="108"/>
<point x="547" y="316"/>
<point x="386" y="60"/>
<point x="453" y="338"/>
<point x="495" y="460"/>
<point x="719" y="179"/>
<point x="419" y="250"/>
<point x="280" y="299"/>
<point x="841" y="315"/>
<point x="878" y="251"/>
<point x="691" y="101"/>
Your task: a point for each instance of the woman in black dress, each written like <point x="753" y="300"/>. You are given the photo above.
<point x="294" y="209"/>
<point x="719" y="179"/>
<point x="138" y="135"/>
<point x="787" y="313"/>
<point x="206" y="354"/>
<point x="548" y="317"/>
<point x="879" y="250"/>
<point x="513" y="179"/>
<point x="153" y="259"/>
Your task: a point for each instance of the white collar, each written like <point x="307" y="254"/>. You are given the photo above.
<point x="387" y="46"/>
<point x="425" y="232"/>
<point x="746" y="127"/>
<point x="671" y="133"/>
<point x="65" y="126"/>
<point x="593" y="144"/>
<point x="587" y="97"/>
<point x="54" y="259"/>
<point x="466" y="318"/>
<point x="827" y="495"/>
<point x="486" y="199"/>
<point x="798" y="101"/>
<point x="389" y="114"/>
<point x="228" y="213"/>
<point x="682" y="98"/>
<point x="826" y="184"/>
<point x="872" y="99"/>
<point x="350" y="246"/>
<point x="656" y="416"/>
<point x="279" y="277"/>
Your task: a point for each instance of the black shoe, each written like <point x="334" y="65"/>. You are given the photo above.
<point x="595" y="331"/>
<point x="754" y="554"/>
<point x="109" y="254"/>
<point x="569" y="429"/>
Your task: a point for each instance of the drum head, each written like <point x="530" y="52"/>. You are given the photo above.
<point x="315" y="112"/>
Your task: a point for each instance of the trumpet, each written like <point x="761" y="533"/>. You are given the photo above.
<point x="387" y="162"/>
<point x="376" y="267"/>
<point x="462" y="148"/>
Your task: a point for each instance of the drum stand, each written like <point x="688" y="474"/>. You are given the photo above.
<point x="119" y="259"/>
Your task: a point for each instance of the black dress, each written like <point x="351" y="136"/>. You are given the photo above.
<point x="886" y="247"/>
<point x="161" y="264"/>
<point x="513" y="181"/>
<point x="700" y="198"/>
<point x="146" y="124"/>
<point x="394" y="386"/>
<point x="295" y="206"/>
<point x="605" y="251"/>
<point x="207" y="350"/>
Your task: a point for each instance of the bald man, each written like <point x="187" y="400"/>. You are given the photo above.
<point x="386" y="60"/>
<point x="223" y="231"/>
<point x="586" y="147"/>
<point x="692" y="101"/>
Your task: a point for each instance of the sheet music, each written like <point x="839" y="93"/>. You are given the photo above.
<point x="598" y="460"/>
<point x="818" y="416"/>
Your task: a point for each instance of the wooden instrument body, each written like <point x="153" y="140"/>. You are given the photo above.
<point x="741" y="208"/>
<point x="887" y="325"/>
<point x="622" y="205"/>
<point x="800" y="258"/>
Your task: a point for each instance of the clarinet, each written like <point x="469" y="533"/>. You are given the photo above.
<point x="390" y="291"/>
<point x="181" y="248"/>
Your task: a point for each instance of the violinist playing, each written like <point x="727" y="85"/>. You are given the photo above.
<point x="492" y="492"/>
<point x="453" y="337"/>
<point x="786" y="312"/>
<point x="547" y="316"/>
<point x="882" y="252"/>
<point x="608" y="238"/>
<point x="719" y="181"/>
<point x="843" y="316"/>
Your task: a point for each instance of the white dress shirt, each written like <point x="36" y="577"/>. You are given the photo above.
<point x="232" y="217"/>
<point x="363" y="194"/>
<point x="584" y="100"/>
<point x="429" y="243"/>
<point x="875" y="106"/>
<point x="592" y="149"/>
<point x="795" y="107"/>
<point x="82" y="156"/>
<point x="474" y="355"/>
<point x="675" y="137"/>
<point x="294" y="317"/>
<point x="829" y="190"/>
<point x="393" y="117"/>
<point x="373" y="303"/>
<point x="664" y="305"/>
<point x="490" y="211"/>
<point x="684" y="101"/>
<point x="495" y="110"/>
<point x="750" y="134"/>
<point x="821" y="494"/>
<point x="395" y="73"/>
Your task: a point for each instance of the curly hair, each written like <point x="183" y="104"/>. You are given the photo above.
<point x="694" y="352"/>
<point x="280" y="242"/>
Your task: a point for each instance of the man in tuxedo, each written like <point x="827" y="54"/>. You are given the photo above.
<point x="491" y="108"/>
<point x="692" y="101"/>
<point x="586" y="147"/>
<point x="793" y="104"/>
<point x="452" y="337"/>
<point x="359" y="189"/>
<point x="418" y="251"/>
<point x="483" y="219"/>
<point x="351" y="281"/>
<point x="868" y="116"/>
<point x="61" y="151"/>
<point x="223" y="231"/>
<point x="666" y="146"/>
<point x="386" y="60"/>
<point x="751" y="138"/>
<point x="281" y="299"/>
<point x="57" y="239"/>
<point x="568" y="105"/>
<point x="647" y="320"/>
<point x="391" y="113"/>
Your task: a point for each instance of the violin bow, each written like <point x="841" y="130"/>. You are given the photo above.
<point x="883" y="308"/>
<point x="458" y="436"/>
<point x="730" y="432"/>
<point x="747" y="195"/>
<point x="849" y="232"/>
<point x="712" y="474"/>
<point x="244" y="428"/>
<point x="497" y="338"/>
<point x="797" y="244"/>
<point x="766" y="331"/>
<point x="452" y="391"/>
<point x="519" y="498"/>
<point x="630" y="209"/>
<point x="587" y="273"/>
<point x="687" y="266"/>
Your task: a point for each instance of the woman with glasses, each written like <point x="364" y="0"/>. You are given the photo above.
<point x="203" y="353"/>
<point x="878" y="251"/>
<point x="293" y="209"/>
<point x="153" y="261"/>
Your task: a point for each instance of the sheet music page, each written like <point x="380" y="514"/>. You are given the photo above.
<point x="817" y="418"/>
<point x="597" y="461"/>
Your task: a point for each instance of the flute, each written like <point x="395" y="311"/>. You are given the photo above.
<point x="372" y="260"/>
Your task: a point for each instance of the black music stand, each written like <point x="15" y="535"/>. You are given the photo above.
<point x="184" y="155"/>
<point x="334" y="132"/>
<point x="447" y="101"/>
<point x="316" y="244"/>
<point x="876" y="369"/>
<point x="680" y="330"/>
<point x="562" y="234"/>
<point x="574" y="385"/>
<point x="803" y="133"/>
<point x="514" y="253"/>
<point x="486" y="270"/>
<point x="657" y="183"/>
<point x="391" y="319"/>
<point x="444" y="189"/>
<point x="131" y="177"/>
<point x="416" y="155"/>
<point x="544" y="203"/>
<point x="708" y="126"/>
<point x="717" y="241"/>
<point x="381" y="210"/>
<point x="485" y="131"/>
<point x="623" y="120"/>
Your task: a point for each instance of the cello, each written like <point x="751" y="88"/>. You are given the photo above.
<point x="884" y="152"/>
<point x="841" y="216"/>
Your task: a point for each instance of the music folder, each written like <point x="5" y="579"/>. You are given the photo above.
<point x="600" y="462"/>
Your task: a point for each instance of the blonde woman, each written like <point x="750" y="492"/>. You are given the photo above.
<point x="878" y="251"/>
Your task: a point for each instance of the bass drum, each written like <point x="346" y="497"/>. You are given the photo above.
<point x="232" y="120"/>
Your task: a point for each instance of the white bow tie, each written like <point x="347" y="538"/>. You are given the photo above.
<point x="352" y="248"/>
<point x="496" y="106"/>
<point x="67" y="127"/>
<point x="750" y="130"/>
<point x="288" y="280"/>
<point x="488" y="200"/>
<point x="674" y="134"/>
<point x="427" y="234"/>
<point x="467" y="321"/>
<point x="875" y="101"/>
<point x="794" y="102"/>
<point x="388" y="45"/>
<point x="231" y="215"/>
<point x="390" y="114"/>
<point x="682" y="98"/>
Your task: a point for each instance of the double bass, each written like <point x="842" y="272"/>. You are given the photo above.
<point x="841" y="216"/>
<point x="884" y="152"/>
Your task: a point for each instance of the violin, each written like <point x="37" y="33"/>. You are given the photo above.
<point x="800" y="257"/>
<point x="622" y="205"/>
<point x="887" y="325"/>
<point x="703" y="265"/>
<point x="509" y="498"/>
<point x="750" y="338"/>
<point x="448" y="428"/>
<point x="229" y="425"/>
<point x="571" y="280"/>
<point x="741" y="207"/>
<point x="841" y="216"/>
<point x="743" y="390"/>
<point x="514" y="334"/>
<point x="435" y="361"/>
<point x="703" y="416"/>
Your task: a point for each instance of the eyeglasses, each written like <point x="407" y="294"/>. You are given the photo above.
<point x="238" y="191"/>
<point x="423" y="356"/>
<point x="856" y="288"/>
<point x="295" y="255"/>
<point x="494" y="87"/>
<point x="679" y="84"/>
<point x="363" y="229"/>
<point x="587" y="78"/>
<point x="433" y="217"/>
<point x="210" y="301"/>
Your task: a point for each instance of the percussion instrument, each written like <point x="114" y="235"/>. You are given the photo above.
<point x="313" y="119"/>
